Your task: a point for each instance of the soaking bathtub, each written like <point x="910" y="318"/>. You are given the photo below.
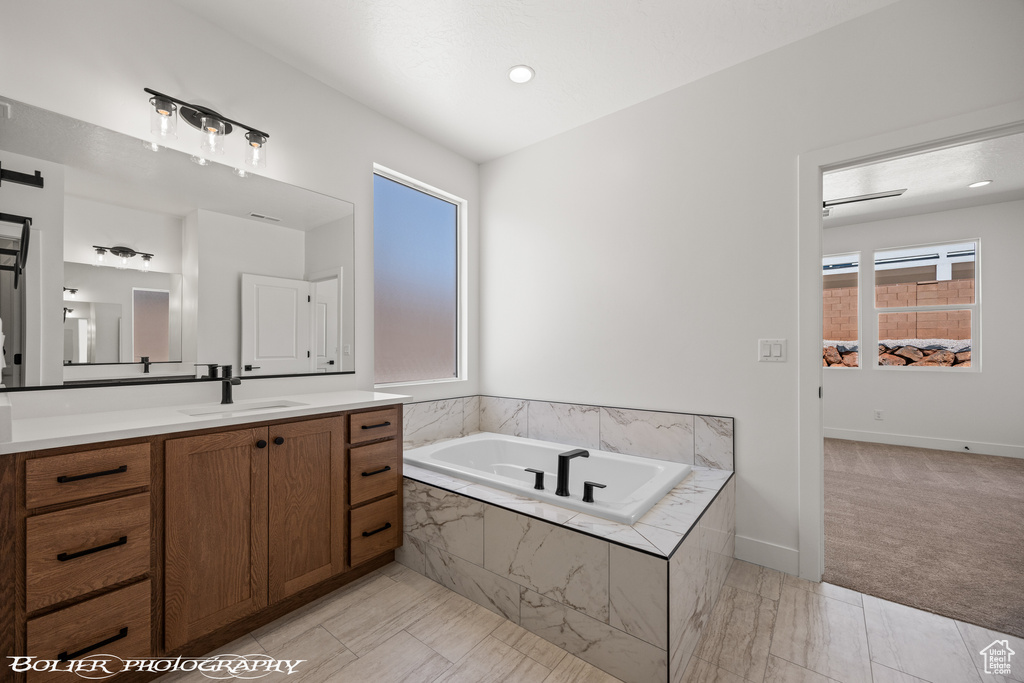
<point x="634" y="484"/>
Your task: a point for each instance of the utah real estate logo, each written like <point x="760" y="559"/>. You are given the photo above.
<point x="997" y="658"/>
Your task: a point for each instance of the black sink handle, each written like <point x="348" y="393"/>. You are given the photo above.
<point x="538" y="482"/>
<point x="588" y="490"/>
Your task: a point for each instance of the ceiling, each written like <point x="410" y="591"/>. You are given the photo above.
<point x="439" y="66"/>
<point x="935" y="181"/>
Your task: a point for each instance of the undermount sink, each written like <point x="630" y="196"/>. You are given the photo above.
<point x="235" y="408"/>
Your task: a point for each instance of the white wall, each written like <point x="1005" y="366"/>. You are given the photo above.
<point x="636" y="260"/>
<point x="941" y="409"/>
<point x="320" y="139"/>
<point x="88" y="223"/>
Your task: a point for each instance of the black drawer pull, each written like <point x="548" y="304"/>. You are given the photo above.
<point x="79" y="477"/>
<point x="387" y="525"/>
<point x="382" y="424"/>
<point x="64" y="557"/>
<point x="387" y="468"/>
<point x="64" y="656"/>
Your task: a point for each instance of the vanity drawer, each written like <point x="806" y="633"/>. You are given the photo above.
<point x="376" y="528"/>
<point x="73" y="552"/>
<point x="374" y="471"/>
<point x="376" y="424"/>
<point x="113" y="624"/>
<point x="74" y="476"/>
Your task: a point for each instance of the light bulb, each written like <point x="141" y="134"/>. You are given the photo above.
<point x="101" y="254"/>
<point x="163" y="120"/>
<point x="123" y="263"/>
<point x="146" y="261"/>
<point x="213" y="130"/>
<point x="256" y="153"/>
<point x="521" y="74"/>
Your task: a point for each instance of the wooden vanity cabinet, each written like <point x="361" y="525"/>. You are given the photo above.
<point x="191" y="539"/>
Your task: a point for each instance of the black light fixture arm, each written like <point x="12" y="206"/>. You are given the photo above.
<point x="205" y="110"/>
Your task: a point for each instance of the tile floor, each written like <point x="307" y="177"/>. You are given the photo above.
<point x="396" y="626"/>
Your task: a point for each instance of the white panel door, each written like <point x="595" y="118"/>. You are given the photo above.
<point x="276" y="325"/>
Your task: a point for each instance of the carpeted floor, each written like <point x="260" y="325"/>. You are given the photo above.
<point x="942" y="531"/>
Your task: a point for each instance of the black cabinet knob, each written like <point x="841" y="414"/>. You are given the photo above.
<point x="278" y="440"/>
<point x="261" y="444"/>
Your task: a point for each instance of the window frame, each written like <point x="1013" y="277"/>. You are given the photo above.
<point x="461" y="274"/>
<point x="840" y="258"/>
<point x="974" y="308"/>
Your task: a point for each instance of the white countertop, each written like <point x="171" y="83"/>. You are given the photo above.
<point x="38" y="433"/>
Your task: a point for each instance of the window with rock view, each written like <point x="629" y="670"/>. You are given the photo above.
<point x="927" y="302"/>
<point x="840" y="333"/>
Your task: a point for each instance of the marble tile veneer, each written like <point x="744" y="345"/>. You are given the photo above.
<point x="703" y="440"/>
<point x="629" y="600"/>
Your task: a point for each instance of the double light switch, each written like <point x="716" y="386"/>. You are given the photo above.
<point x="771" y="350"/>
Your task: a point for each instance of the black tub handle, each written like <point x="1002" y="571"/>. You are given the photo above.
<point x="386" y="468"/>
<point x="64" y="479"/>
<point x="64" y="557"/>
<point x="64" y="656"/>
<point x="387" y="525"/>
<point x="382" y="424"/>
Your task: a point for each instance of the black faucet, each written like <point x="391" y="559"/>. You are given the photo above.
<point x="226" y="382"/>
<point x="562" y="487"/>
<point x="145" y="364"/>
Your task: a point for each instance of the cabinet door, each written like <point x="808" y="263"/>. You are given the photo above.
<point x="307" y="504"/>
<point x="215" y="532"/>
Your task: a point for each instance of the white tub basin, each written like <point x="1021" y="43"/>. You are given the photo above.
<point x="634" y="484"/>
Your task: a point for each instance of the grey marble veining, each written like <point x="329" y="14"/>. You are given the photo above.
<point x="527" y="506"/>
<point x="503" y="416"/>
<point x="412" y="554"/>
<point x="638" y="590"/>
<point x="496" y="593"/>
<point x="432" y="421"/>
<point x="613" y="531"/>
<point x="445" y="520"/>
<point x="628" y="658"/>
<point x="560" y="564"/>
<point x="713" y="441"/>
<point x="471" y="415"/>
<point x="665" y="436"/>
<point x="564" y="423"/>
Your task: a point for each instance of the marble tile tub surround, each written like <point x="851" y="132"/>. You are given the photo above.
<point x="632" y="613"/>
<point x="703" y="440"/>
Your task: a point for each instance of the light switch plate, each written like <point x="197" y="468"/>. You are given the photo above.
<point x="771" y="350"/>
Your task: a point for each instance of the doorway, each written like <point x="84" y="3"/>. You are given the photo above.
<point x="985" y="124"/>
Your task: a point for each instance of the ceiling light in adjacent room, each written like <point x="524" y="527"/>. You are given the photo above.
<point x="521" y="74"/>
<point x="980" y="183"/>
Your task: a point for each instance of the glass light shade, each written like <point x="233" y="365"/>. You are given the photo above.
<point x="151" y="146"/>
<point x="146" y="262"/>
<point x="163" y="120"/>
<point x="213" y="130"/>
<point x="241" y="172"/>
<point x="101" y="255"/>
<point x="202" y="161"/>
<point x="122" y="262"/>
<point x="256" y="152"/>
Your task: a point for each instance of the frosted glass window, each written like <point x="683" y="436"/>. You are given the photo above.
<point x="415" y="279"/>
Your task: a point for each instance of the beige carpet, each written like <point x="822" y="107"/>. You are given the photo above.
<point x="938" y="530"/>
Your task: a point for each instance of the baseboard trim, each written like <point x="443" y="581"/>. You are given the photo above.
<point x="982" y="447"/>
<point x="768" y="555"/>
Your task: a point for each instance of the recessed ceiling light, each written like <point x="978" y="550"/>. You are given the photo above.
<point x="520" y="74"/>
<point x="980" y="183"/>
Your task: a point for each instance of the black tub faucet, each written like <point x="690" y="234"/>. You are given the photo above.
<point x="145" y="364"/>
<point x="562" y="487"/>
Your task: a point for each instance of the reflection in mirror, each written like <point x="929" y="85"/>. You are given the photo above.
<point x="202" y="229"/>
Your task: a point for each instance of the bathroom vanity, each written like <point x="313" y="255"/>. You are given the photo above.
<point x="179" y="533"/>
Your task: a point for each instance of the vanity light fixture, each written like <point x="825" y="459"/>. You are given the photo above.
<point x="214" y="128"/>
<point x="521" y="74"/>
<point x="980" y="183"/>
<point x="71" y="292"/>
<point x="123" y="254"/>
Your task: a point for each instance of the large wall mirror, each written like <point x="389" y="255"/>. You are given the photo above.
<point x="199" y="266"/>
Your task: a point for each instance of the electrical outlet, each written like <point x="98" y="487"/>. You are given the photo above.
<point x="878" y="415"/>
